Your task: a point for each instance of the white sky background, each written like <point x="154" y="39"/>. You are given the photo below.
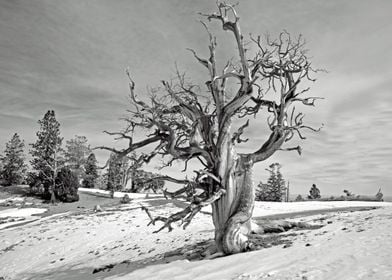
<point x="70" y="56"/>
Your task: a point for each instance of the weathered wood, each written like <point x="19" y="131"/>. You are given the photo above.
<point x="186" y="125"/>
<point x="276" y="226"/>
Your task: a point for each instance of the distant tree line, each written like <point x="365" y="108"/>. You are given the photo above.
<point x="315" y="194"/>
<point x="56" y="173"/>
<point x="276" y="189"/>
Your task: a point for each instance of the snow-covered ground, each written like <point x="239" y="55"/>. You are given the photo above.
<point x="351" y="245"/>
<point x="354" y="245"/>
<point x="21" y="212"/>
<point x="117" y="194"/>
<point x="272" y="208"/>
<point x="14" y="216"/>
<point x="14" y="199"/>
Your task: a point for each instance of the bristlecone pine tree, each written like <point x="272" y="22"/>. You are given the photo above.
<point x="91" y="172"/>
<point x="275" y="188"/>
<point x="13" y="162"/>
<point x="314" y="192"/>
<point x="187" y="122"/>
<point x="46" y="152"/>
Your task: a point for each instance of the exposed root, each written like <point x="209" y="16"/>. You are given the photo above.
<point x="215" y="255"/>
<point x="207" y="250"/>
<point x="279" y="226"/>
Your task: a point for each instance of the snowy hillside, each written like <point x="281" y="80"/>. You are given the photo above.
<point x="117" y="244"/>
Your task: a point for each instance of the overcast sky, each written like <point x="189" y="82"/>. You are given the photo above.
<point x="70" y="56"/>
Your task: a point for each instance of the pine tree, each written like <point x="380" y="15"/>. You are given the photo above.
<point x="314" y="192"/>
<point x="13" y="162"/>
<point x="118" y="172"/>
<point x="1" y="169"/>
<point x="274" y="189"/>
<point x="47" y="153"/>
<point x="102" y="181"/>
<point x="379" y="195"/>
<point x="262" y="192"/>
<point x="67" y="185"/>
<point x="91" y="172"/>
<point x="76" y="153"/>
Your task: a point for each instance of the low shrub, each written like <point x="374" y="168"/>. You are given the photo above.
<point x="66" y="187"/>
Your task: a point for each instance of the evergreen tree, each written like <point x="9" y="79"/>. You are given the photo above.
<point x="379" y="195"/>
<point x="314" y="192"/>
<point x="262" y="192"/>
<point x="91" y="172"/>
<point x="13" y="162"/>
<point x="348" y="193"/>
<point x="1" y="170"/>
<point x="118" y="172"/>
<point x="67" y="185"/>
<point x="76" y="153"/>
<point x="102" y="181"/>
<point x="275" y="188"/>
<point x="46" y="153"/>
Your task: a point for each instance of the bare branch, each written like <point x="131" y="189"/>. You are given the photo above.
<point x="175" y="194"/>
<point x="237" y="135"/>
<point x="186" y="215"/>
<point x="132" y="146"/>
<point x="298" y="149"/>
<point x="273" y="144"/>
<point x="148" y="214"/>
<point x="190" y="122"/>
<point x="204" y="62"/>
<point x="166" y="178"/>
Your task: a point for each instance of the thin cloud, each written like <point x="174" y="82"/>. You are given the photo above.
<point x="70" y="57"/>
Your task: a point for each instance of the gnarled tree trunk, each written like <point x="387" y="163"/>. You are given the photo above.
<point x="184" y="126"/>
<point x="233" y="211"/>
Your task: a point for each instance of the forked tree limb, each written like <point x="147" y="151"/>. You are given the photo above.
<point x="132" y="146"/>
<point x="184" y="216"/>
<point x="185" y="126"/>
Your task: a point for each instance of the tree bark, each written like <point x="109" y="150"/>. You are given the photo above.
<point x="233" y="211"/>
